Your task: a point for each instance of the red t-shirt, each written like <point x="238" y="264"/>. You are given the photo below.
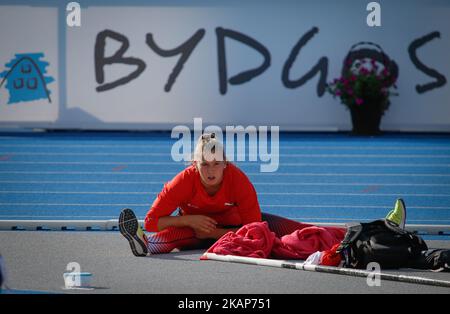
<point x="234" y="204"/>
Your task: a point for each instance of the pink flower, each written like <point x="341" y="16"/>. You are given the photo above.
<point x="359" y="101"/>
<point x="364" y="71"/>
<point x="338" y="93"/>
<point x="350" y="91"/>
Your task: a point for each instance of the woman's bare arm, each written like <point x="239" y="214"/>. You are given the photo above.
<point x="197" y="222"/>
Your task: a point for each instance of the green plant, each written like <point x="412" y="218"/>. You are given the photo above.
<point x="364" y="83"/>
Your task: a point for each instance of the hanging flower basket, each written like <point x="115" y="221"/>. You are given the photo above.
<point x="366" y="83"/>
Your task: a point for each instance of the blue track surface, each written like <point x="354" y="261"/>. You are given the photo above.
<point x="322" y="177"/>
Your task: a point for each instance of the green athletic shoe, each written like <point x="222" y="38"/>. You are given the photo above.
<point x="398" y="214"/>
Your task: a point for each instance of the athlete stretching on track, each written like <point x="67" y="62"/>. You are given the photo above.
<point x="213" y="197"/>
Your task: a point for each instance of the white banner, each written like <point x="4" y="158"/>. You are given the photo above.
<point x="153" y="65"/>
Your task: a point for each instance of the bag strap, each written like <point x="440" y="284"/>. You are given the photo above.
<point x="393" y="227"/>
<point x="353" y="231"/>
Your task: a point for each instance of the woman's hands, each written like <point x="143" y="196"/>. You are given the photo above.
<point x="203" y="226"/>
<point x="205" y="235"/>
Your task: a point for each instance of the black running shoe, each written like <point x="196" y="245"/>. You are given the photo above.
<point x="129" y="227"/>
<point x="435" y="260"/>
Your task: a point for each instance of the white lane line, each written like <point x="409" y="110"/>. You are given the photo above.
<point x="427" y="156"/>
<point x="305" y="219"/>
<point x="248" y="173"/>
<point x="79" y="192"/>
<point x="83" y="182"/>
<point x="248" y="163"/>
<point x="372" y="184"/>
<point x="364" y="184"/>
<point x="355" y="194"/>
<point x="55" y="217"/>
<point x="85" y="154"/>
<point x="357" y="146"/>
<point x="300" y="206"/>
<point x="89" y="145"/>
<point x="362" y="146"/>
<point x="317" y="174"/>
<point x="89" y="172"/>
<point x="70" y="204"/>
<point x="259" y="193"/>
<point x="296" y="206"/>
<point x="91" y="163"/>
<point x="9" y="138"/>
<point x="356" y="219"/>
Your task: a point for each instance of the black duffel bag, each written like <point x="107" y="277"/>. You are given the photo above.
<point x="382" y="242"/>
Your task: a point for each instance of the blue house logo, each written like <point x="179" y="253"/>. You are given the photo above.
<point x="25" y="78"/>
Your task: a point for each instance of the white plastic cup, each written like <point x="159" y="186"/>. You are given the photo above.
<point x="77" y="280"/>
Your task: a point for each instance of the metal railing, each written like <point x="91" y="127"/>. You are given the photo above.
<point x="112" y="225"/>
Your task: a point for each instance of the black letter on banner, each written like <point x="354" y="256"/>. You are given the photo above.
<point x="321" y="66"/>
<point x="440" y="79"/>
<point x="185" y="50"/>
<point x="101" y="60"/>
<point x="243" y="76"/>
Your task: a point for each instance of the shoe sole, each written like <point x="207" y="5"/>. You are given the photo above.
<point x="128" y="226"/>
<point x="445" y="261"/>
<point x="404" y="213"/>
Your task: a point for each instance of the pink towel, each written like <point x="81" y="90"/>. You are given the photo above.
<point x="302" y="243"/>
<point x="256" y="240"/>
<point x="252" y="240"/>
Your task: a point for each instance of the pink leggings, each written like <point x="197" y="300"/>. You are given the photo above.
<point x="184" y="238"/>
